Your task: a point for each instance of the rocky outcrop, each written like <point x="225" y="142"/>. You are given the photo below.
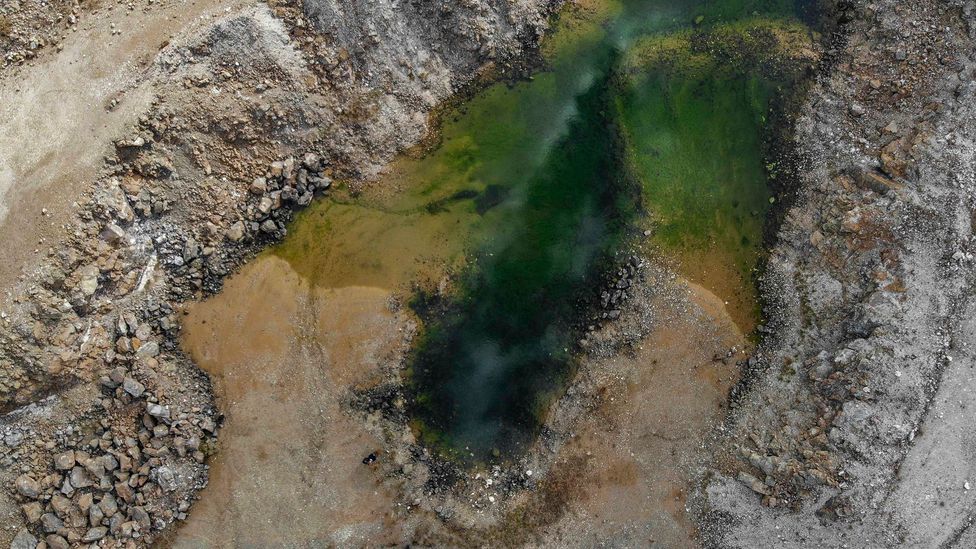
<point x="866" y="289"/>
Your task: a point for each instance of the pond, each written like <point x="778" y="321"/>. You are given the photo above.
<point x="647" y="116"/>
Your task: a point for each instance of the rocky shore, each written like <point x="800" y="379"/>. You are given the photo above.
<point x="843" y="434"/>
<point x="107" y="424"/>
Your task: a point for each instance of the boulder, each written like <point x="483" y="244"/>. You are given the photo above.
<point x="50" y="523"/>
<point x="140" y="516"/>
<point x="88" y="280"/>
<point x="149" y="349"/>
<point x="259" y="186"/>
<point x="236" y="232"/>
<point x="158" y="411"/>
<point x="95" y="516"/>
<point x="55" y="541"/>
<point x="269" y="227"/>
<point x="80" y="478"/>
<point x="62" y="506"/>
<point x="64" y="461"/>
<point x="133" y="387"/>
<point x="27" y="486"/>
<point x="94" y="534"/>
<point x="166" y="478"/>
<point x="23" y="540"/>
<point x="108" y="505"/>
<point x="113" y="234"/>
<point x="32" y="512"/>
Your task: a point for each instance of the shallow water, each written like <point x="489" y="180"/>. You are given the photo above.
<point x="532" y="188"/>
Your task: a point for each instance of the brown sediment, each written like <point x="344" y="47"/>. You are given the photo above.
<point x="336" y="244"/>
<point x="284" y="356"/>
<point x="734" y="289"/>
<point x="287" y="357"/>
<point x="646" y="438"/>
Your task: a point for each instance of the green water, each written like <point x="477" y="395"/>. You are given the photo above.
<point x="535" y="185"/>
<point x="694" y="119"/>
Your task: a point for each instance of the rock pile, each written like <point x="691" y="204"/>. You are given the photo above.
<point x="615" y="290"/>
<point x="106" y="313"/>
<point x="286" y="183"/>
<point x="24" y="33"/>
<point x="864" y="288"/>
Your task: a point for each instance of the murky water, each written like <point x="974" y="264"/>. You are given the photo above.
<point x="495" y="237"/>
<point x="535" y="185"/>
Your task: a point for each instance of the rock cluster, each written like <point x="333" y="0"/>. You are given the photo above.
<point x="286" y="183"/>
<point x="134" y="469"/>
<point x="24" y="33"/>
<point x="615" y="291"/>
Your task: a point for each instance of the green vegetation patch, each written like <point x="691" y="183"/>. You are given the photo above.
<point x="694" y="107"/>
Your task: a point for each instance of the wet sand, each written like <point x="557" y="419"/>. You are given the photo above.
<point x="287" y="356"/>
<point x="643" y="442"/>
<point x="284" y="357"/>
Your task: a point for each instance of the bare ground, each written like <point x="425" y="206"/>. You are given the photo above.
<point x="850" y="429"/>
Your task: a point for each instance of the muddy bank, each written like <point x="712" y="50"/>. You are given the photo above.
<point x="285" y="371"/>
<point x="292" y="368"/>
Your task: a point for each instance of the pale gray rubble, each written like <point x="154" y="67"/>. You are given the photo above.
<point x="29" y="26"/>
<point x="854" y="427"/>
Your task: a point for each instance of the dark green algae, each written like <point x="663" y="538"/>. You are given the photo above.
<point x="536" y="185"/>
